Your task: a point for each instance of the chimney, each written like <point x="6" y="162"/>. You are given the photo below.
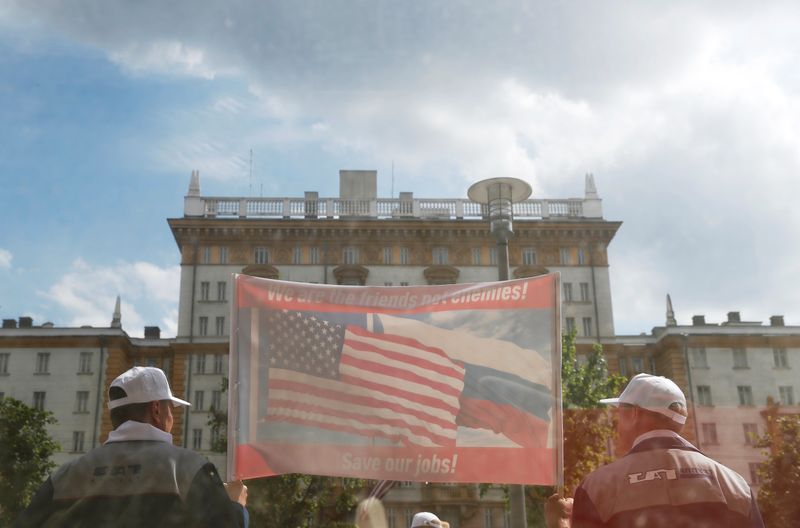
<point x="152" y="332"/>
<point x="26" y="322"/>
<point x="698" y="320"/>
<point x="734" y="317"/>
<point x="776" y="320"/>
<point x="9" y="323"/>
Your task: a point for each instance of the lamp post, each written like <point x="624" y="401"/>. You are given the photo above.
<point x="500" y="194"/>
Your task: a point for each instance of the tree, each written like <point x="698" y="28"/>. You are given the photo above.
<point x="25" y="455"/>
<point x="780" y="473"/>
<point x="291" y="500"/>
<point x="587" y="425"/>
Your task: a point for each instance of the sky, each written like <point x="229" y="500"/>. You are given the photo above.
<point x="687" y="113"/>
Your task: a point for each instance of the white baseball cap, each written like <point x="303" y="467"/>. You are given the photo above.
<point x="654" y="393"/>
<point x="142" y="385"/>
<point x="426" y="519"/>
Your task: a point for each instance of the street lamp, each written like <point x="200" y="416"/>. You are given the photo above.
<point x="500" y="194"/>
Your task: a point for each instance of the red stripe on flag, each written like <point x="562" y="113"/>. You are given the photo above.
<point x="365" y="419"/>
<point x="333" y="395"/>
<point x="427" y="400"/>
<point x="444" y="370"/>
<point x="399" y="374"/>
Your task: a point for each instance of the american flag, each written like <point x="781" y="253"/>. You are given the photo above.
<point x="345" y="378"/>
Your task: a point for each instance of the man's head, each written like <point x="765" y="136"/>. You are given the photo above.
<point x="648" y="403"/>
<point x="142" y="394"/>
<point x="428" y="520"/>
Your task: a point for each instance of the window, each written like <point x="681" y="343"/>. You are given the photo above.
<point x="38" y="400"/>
<point x="4" y="363"/>
<point x="750" y="433"/>
<point x="786" y="395"/>
<point x="781" y="360"/>
<point x="745" y="394"/>
<point x="261" y="255"/>
<point x="528" y="256"/>
<point x="567" y="287"/>
<point x="223" y="255"/>
<point x="203" y="325"/>
<point x="222" y="287"/>
<point x="564" y="256"/>
<point x="755" y="478"/>
<point x="704" y="395"/>
<point x="739" y="358"/>
<point x="404" y="255"/>
<point x="387" y="255"/>
<point x="585" y="292"/>
<point x="85" y="363"/>
<point x="200" y="366"/>
<point x="710" y="433"/>
<point x="440" y="255"/>
<point x="197" y="439"/>
<point x="2" y="395"/>
<point x="216" y="399"/>
<point x="623" y="367"/>
<point x="77" y="441"/>
<point x="391" y="518"/>
<point x="350" y="255"/>
<point x="699" y="359"/>
<point x="197" y="404"/>
<point x="313" y="255"/>
<point x="204" y="288"/>
<point x="220" y="325"/>
<point x="587" y="327"/>
<point x="476" y="256"/>
<point x="581" y="256"/>
<point x="570" y="324"/>
<point x="637" y="364"/>
<point x="150" y="362"/>
<point x="493" y="256"/>
<point x="487" y="518"/>
<point x="218" y="362"/>
<point x="206" y="258"/>
<point x="297" y="255"/>
<point x="81" y="401"/>
<point x="43" y="363"/>
<point x="403" y="283"/>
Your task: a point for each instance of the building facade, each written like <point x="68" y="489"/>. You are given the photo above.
<point x="360" y="239"/>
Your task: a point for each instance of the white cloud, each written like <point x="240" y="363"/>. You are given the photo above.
<point x="5" y="259"/>
<point x="87" y="293"/>
<point x="164" y="57"/>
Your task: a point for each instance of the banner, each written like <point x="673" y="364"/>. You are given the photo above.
<point x="452" y="383"/>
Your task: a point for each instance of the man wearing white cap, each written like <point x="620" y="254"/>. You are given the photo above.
<point x="137" y="477"/>
<point x="428" y="520"/>
<point x="663" y="480"/>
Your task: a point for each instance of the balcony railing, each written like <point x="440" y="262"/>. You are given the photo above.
<point x="444" y="208"/>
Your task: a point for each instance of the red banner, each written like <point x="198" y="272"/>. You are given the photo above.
<point x="455" y="383"/>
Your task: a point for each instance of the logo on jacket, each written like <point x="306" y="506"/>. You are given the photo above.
<point x="655" y="474"/>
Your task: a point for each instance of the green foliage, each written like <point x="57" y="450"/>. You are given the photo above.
<point x="587" y="425"/>
<point x="218" y="421"/>
<point x="300" y="501"/>
<point x="25" y="455"/>
<point x="780" y="474"/>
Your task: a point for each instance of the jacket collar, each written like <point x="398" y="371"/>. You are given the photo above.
<point x="132" y="430"/>
<point x="661" y="439"/>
